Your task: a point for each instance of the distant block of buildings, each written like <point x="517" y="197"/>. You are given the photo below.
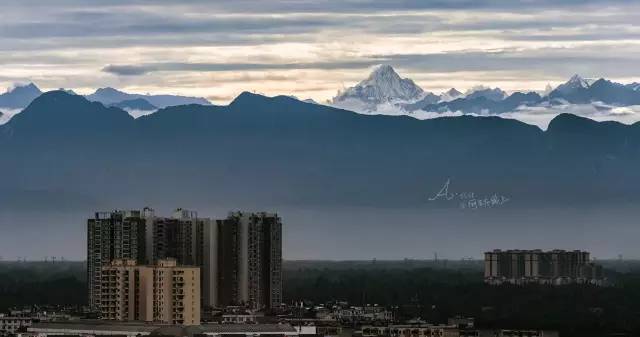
<point x="556" y="267"/>
<point x="239" y="258"/>
<point x="432" y="330"/>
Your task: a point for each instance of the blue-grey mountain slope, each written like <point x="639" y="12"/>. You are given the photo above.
<point x="482" y="104"/>
<point x="295" y="153"/>
<point x="110" y="96"/>
<point x="19" y="96"/>
<point x="356" y="183"/>
<point x="135" y="104"/>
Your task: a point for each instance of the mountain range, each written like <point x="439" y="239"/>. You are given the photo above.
<point x="294" y="152"/>
<point x="20" y="96"/>
<point x="370" y="178"/>
<point x="110" y="96"/>
<point x="384" y="86"/>
<point x="135" y="104"/>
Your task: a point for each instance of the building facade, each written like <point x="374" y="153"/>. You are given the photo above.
<point x="240" y="257"/>
<point x="162" y="293"/>
<point x="250" y="260"/>
<point x="13" y="324"/>
<point x="544" y="267"/>
<point x="89" y="328"/>
<point x="110" y="236"/>
<point x="189" y="240"/>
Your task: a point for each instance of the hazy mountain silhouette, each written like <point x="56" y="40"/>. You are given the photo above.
<point x="19" y="96"/>
<point x="110" y="96"/>
<point x="326" y="170"/>
<point x="135" y="104"/>
<point x="484" y="105"/>
<point x="428" y="99"/>
<point x="579" y="91"/>
<point x="293" y="152"/>
<point x="495" y="94"/>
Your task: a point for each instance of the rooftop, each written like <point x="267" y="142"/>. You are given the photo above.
<point x="162" y="329"/>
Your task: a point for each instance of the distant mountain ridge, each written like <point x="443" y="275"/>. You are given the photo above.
<point x="386" y="92"/>
<point x="135" y="104"/>
<point x="110" y="96"/>
<point x="294" y="153"/>
<point x="19" y="96"/>
<point x="373" y="92"/>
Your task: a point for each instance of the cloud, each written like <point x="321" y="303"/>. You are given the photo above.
<point x="139" y="113"/>
<point x="126" y="70"/>
<point x="7" y="114"/>
<point x="540" y="115"/>
<point x="196" y="47"/>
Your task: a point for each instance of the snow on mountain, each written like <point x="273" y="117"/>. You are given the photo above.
<point x="494" y="94"/>
<point x="382" y="86"/>
<point x="575" y="82"/>
<point x="450" y="95"/>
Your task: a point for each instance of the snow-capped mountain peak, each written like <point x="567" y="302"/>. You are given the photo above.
<point x="494" y="94"/>
<point x="579" y="81"/>
<point x="453" y="92"/>
<point x="450" y="95"/>
<point x="382" y="85"/>
<point x="574" y="83"/>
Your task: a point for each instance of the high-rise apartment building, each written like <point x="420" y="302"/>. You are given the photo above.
<point x="164" y="292"/>
<point x="537" y="266"/>
<point x="191" y="241"/>
<point x="250" y="260"/>
<point x="240" y="257"/>
<point x="112" y="235"/>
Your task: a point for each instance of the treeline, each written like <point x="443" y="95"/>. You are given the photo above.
<point x="433" y="294"/>
<point x="40" y="283"/>
<point x="437" y="294"/>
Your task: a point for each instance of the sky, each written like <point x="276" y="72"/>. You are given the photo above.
<point x="313" y="48"/>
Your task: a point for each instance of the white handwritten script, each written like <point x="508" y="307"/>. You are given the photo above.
<point x="469" y="200"/>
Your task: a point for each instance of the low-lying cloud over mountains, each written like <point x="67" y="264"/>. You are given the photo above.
<point x="387" y="93"/>
<point x="384" y="92"/>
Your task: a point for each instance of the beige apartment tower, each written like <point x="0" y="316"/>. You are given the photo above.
<point x="162" y="293"/>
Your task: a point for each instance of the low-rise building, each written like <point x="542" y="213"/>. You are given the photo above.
<point x="410" y="330"/>
<point x="368" y="313"/>
<point x="12" y="324"/>
<point x="92" y="328"/>
<point x="239" y="319"/>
